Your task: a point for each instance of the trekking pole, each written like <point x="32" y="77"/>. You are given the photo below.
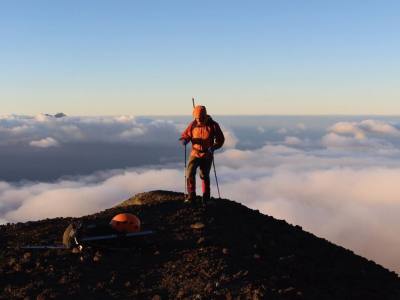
<point x="216" y="178"/>
<point x="184" y="193"/>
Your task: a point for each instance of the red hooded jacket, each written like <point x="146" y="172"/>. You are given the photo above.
<point x="204" y="136"/>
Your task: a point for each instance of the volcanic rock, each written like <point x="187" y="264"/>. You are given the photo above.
<point x="238" y="253"/>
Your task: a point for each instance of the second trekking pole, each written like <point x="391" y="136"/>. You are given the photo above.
<point x="216" y="178"/>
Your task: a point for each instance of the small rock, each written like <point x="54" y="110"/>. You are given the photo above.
<point x="256" y="256"/>
<point x="97" y="257"/>
<point x="288" y="290"/>
<point x="46" y="294"/>
<point x="62" y="280"/>
<point x="201" y="240"/>
<point x="180" y="294"/>
<point x="113" y="277"/>
<point x="100" y="285"/>
<point x="27" y="256"/>
<point x="75" y="250"/>
<point x="208" y="288"/>
<point x="12" y="261"/>
<point x="157" y="253"/>
<point x="156" y="297"/>
<point x="228" y="296"/>
<point x="197" y="225"/>
<point x="225" y="251"/>
<point x="256" y="295"/>
<point x="128" y="284"/>
<point x="17" y="268"/>
<point x="41" y="296"/>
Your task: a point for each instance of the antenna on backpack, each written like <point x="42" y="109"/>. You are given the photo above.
<point x="193" y="102"/>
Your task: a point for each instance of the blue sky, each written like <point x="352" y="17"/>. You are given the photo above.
<point x="236" y="57"/>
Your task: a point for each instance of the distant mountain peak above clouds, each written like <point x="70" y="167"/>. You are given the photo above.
<point x="60" y="115"/>
<point x="57" y="115"/>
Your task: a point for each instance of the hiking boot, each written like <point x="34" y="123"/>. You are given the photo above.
<point x="189" y="198"/>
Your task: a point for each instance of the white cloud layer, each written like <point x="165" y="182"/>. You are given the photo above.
<point x="347" y="192"/>
<point x="44" y="131"/>
<point x="365" y="135"/>
<point x="362" y="128"/>
<point x="292" y="140"/>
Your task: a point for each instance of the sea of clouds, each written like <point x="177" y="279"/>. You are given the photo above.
<point x="340" y="183"/>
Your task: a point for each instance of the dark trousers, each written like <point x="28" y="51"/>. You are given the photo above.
<point x="204" y="164"/>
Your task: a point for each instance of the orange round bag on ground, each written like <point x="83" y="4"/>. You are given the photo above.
<point x="125" y="222"/>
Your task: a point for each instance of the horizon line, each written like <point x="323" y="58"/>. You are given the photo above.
<point x="219" y="115"/>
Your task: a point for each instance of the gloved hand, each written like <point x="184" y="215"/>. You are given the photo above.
<point x="184" y="142"/>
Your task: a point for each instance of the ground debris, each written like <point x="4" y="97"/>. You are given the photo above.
<point x="220" y="251"/>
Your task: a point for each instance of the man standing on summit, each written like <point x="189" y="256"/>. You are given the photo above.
<point x="206" y="137"/>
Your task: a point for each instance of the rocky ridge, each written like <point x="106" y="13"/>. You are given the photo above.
<point x="222" y="251"/>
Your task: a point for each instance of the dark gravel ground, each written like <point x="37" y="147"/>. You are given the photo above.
<point x="238" y="254"/>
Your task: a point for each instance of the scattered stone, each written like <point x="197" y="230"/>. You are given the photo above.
<point x="261" y="255"/>
<point x="17" y="267"/>
<point x="113" y="277"/>
<point x="11" y="261"/>
<point x="97" y="257"/>
<point x="41" y="296"/>
<point x="209" y="288"/>
<point x="180" y="294"/>
<point x="50" y="268"/>
<point x="205" y="273"/>
<point x="228" y="296"/>
<point x="197" y="225"/>
<point x="27" y="257"/>
<point x="63" y="280"/>
<point x="100" y="285"/>
<point x="256" y="295"/>
<point x="288" y="290"/>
